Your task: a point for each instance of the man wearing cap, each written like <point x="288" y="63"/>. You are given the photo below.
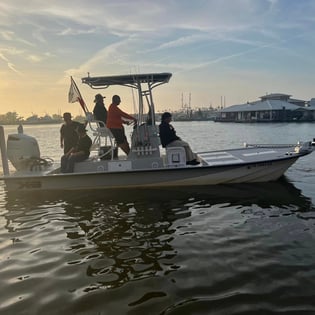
<point x="78" y="153"/>
<point x="68" y="134"/>
<point x="115" y="120"/>
<point x="99" y="111"/>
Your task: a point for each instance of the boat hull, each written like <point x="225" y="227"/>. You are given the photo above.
<point x="155" y="178"/>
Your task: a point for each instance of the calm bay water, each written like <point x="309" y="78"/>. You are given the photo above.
<point x="241" y="249"/>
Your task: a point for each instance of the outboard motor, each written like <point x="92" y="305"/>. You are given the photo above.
<point x="22" y="150"/>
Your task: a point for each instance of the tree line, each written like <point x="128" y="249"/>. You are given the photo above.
<point x="13" y="118"/>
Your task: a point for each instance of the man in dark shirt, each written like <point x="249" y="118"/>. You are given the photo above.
<point x="169" y="138"/>
<point x="78" y="153"/>
<point x="99" y="111"/>
<point x="68" y="134"/>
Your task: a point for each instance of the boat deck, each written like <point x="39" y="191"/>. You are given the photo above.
<point x="244" y="155"/>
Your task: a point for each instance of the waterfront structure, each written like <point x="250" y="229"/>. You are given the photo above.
<point x="274" y="107"/>
<point x="200" y="114"/>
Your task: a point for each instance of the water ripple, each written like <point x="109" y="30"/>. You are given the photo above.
<point x="232" y="250"/>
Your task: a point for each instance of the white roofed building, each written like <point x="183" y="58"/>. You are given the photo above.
<point x="271" y="108"/>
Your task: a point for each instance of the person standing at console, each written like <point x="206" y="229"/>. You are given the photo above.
<point x="115" y="120"/>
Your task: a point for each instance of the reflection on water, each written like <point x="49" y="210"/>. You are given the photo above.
<point x="222" y="249"/>
<point x="278" y="193"/>
<point x="131" y="241"/>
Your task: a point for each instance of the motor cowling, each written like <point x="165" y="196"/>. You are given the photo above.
<point x="22" y="150"/>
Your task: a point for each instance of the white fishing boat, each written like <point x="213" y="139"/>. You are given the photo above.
<point x="147" y="165"/>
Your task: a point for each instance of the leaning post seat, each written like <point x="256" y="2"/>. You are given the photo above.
<point x="101" y="131"/>
<point x="175" y="156"/>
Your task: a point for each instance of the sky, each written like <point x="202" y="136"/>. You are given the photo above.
<point x="220" y="52"/>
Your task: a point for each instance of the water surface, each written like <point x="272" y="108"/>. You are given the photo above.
<point x="239" y="249"/>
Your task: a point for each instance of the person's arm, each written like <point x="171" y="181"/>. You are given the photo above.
<point x="125" y="115"/>
<point x="61" y="137"/>
<point x="173" y="133"/>
<point x="163" y="135"/>
<point x="77" y="153"/>
<point x="70" y="151"/>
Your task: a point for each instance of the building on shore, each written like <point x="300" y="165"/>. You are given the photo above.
<point x="200" y="114"/>
<point x="274" y="107"/>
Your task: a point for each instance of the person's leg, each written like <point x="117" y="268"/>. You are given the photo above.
<point x="125" y="147"/>
<point x="70" y="164"/>
<point x="189" y="154"/>
<point x="72" y="160"/>
<point x="63" y="163"/>
<point x="121" y="139"/>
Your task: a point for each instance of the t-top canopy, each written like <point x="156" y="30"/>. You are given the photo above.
<point x="130" y="80"/>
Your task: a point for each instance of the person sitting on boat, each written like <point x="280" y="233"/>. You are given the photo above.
<point x="100" y="111"/>
<point x="78" y="153"/>
<point x="68" y="134"/>
<point x="170" y="139"/>
<point x="115" y="120"/>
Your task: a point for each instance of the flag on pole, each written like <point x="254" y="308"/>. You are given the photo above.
<point x="74" y="95"/>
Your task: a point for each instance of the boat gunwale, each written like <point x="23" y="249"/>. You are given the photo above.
<point x="151" y="170"/>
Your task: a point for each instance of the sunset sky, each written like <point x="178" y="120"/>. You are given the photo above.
<point x="236" y="49"/>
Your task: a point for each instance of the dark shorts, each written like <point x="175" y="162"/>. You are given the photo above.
<point x="119" y="135"/>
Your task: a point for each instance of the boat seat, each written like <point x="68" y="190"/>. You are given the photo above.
<point x="100" y="131"/>
<point x="175" y="156"/>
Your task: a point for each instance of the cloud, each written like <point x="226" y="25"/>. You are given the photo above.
<point x="71" y="31"/>
<point x="7" y="35"/>
<point x="9" y="64"/>
<point x="34" y="58"/>
<point x="39" y="57"/>
<point x="110" y="54"/>
<point x="11" y="36"/>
